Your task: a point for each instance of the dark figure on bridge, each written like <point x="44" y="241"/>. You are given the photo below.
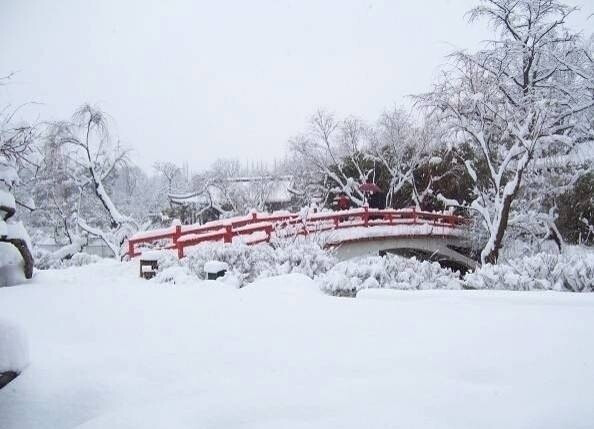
<point x="377" y="201"/>
<point x="344" y="203"/>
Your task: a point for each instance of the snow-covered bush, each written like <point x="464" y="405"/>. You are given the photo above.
<point x="390" y="272"/>
<point x="248" y="263"/>
<point x="565" y="272"/>
<point x="45" y="260"/>
<point x="175" y="275"/>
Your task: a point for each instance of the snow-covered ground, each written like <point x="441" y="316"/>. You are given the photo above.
<point x="108" y="350"/>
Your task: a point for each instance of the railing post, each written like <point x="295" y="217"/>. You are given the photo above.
<point x="366" y="215"/>
<point x="268" y="230"/>
<point x="176" y="234"/>
<point x="180" y="250"/>
<point x="414" y="210"/>
<point x="336" y="222"/>
<point x="254" y="217"/>
<point x="130" y="249"/>
<point x="228" y="237"/>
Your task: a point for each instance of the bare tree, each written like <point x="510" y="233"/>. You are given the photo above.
<point x="169" y="171"/>
<point x="329" y="148"/>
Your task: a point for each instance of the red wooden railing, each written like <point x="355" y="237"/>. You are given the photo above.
<point x="259" y="227"/>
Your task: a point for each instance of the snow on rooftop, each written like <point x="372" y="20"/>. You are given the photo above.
<point x="277" y="190"/>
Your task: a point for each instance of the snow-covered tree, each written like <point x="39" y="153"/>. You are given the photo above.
<point x="333" y="150"/>
<point x="514" y="101"/>
<point x="91" y="159"/>
<point x="402" y="147"/>
<point x="16" y="141"/>
<point x="170" y="173"/>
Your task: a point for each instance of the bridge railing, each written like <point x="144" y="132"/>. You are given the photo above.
<point x="259" y="227"/>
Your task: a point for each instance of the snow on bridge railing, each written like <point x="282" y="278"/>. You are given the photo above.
<point x="259" y="227"/>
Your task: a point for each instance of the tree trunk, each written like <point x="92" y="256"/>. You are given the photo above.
<point x="493" y="254"/>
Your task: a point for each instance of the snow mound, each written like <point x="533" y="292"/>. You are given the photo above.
<point x="390" y="272"/>
<point x="293" y="285"/>
<point x="14" y="352"/>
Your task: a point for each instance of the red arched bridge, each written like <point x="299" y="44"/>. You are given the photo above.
<point x="355" y="232"/>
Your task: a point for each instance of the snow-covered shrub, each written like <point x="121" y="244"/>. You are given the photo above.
<point x="174" y="275"/>
<point x="390" y="272"/>
<point x="45" y="260"/>
<point x="248" y="263"/>
<point x="502" y="276"/>
<point x="165" y="258"/>
<point x="301" y="256"/>
<point x="565" y="272"/>
<point x="82" y="258"/>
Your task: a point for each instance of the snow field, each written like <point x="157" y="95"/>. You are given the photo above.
<point x="108" y="349"/>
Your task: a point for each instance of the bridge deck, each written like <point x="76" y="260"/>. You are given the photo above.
<point x="337" y="227"/>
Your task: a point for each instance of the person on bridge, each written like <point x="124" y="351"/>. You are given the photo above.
<point x="376" y="201"/>
<point x="344" y="203"/>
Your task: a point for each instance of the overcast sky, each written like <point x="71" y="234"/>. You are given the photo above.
<point x="198" y="80"/>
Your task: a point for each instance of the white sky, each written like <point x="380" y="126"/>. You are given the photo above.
<point x="198" y="80"/>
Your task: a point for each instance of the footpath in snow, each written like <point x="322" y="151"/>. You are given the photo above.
<point x="109" y="350"/>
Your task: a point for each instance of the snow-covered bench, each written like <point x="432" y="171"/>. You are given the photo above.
<point x="215" y="269"/>
<point x="149" y="263"/>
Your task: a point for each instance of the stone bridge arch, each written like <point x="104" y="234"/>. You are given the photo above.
<point x="449" y="251"/>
